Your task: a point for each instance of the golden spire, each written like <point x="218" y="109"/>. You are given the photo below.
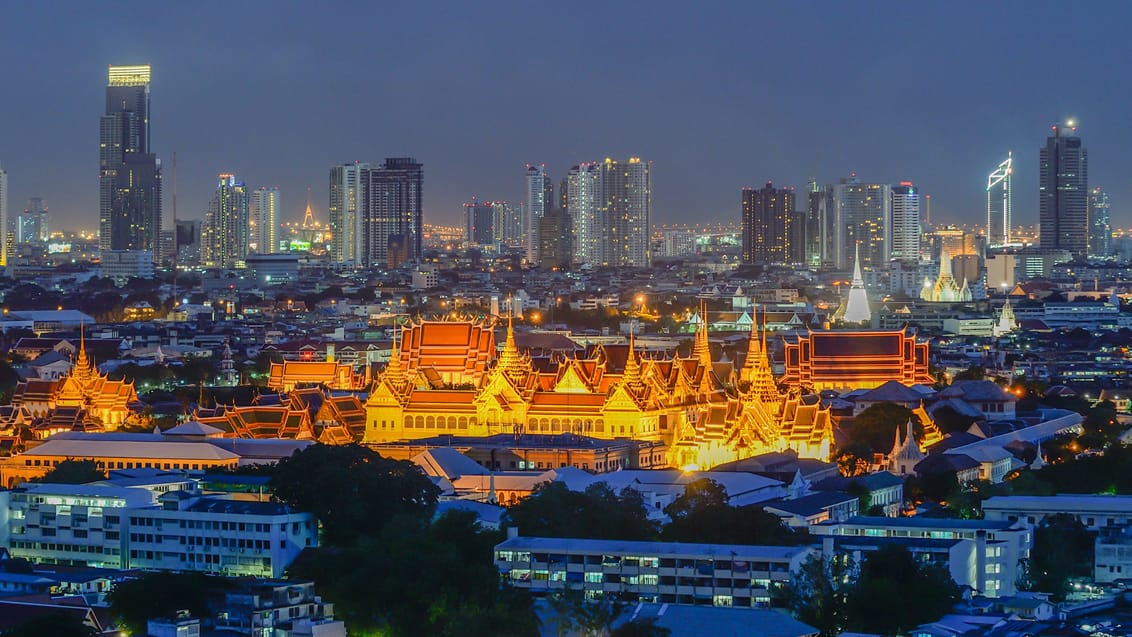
<point x="393" y="372"/>
<point x="702" y="347"/>
<point x="632" y="374"/>
<point x="510" y="361"/>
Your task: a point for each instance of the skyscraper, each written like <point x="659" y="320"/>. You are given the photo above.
<point x="863" y="220"/>
<point x="31" y="226"/>
<point x="1000" y="195"/>
<point x="509" y="224"/>
<point x="264" y="220"/>
<point x="822" y="233"/>
<point x="345" y="222"/>
<point x="129" y="191"/>
<point x="1100" y="224"/>
<point x="392" y="222"/>
<point x="583" y="188"/>
<point x="224" y="233"/>
<point x="905" y="224"/>
<point x="540" y="201"/>
<point x="625" y="213"/>
<point x="479" y="222"/>
<point x="1063" y="206"/>
<point x="4" y="216"/>
<point x="768" y="217"/>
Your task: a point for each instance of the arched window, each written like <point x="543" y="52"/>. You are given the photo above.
<point x="430" y="422"/>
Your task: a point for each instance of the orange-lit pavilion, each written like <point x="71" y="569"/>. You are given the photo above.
<point x="851" y="359"/>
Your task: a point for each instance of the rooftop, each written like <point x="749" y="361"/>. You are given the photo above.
<point x="672" y="549"/>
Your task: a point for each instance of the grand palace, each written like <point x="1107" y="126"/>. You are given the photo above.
<point x="447" y="378"/>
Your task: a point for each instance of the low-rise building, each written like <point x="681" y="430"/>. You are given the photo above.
<point x="651" y="572"/>
<point x="1096" y="512"/>
<point x="997" y="546"/>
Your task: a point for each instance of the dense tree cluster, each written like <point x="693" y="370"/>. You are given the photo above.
<point x="889" y="593"/>
<point x="1063" y="549"/>
<point x="73" y="472"/>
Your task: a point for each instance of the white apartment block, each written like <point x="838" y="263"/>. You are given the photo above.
<point x="136" y="527"/>
<point x="652" y="572"/>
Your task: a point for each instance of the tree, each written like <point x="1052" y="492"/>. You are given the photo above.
<point x="816" y="594"/>
<point x="950" y="421"/>
<point x="641" y="628"/>
<point x="57" y="624"/>
<point x="554" y="510"/>
<point x="352" y="490"/>
<point x="894" y="593"/>
<point x="441" y="581"/>
<point x="1063" y="549"/>
<point x="73" y="472"/>
<point x="161" y="594"/>
<point x="876" y="426"/>
<point x="702" y="514"/>
<point x="974" y="372"/>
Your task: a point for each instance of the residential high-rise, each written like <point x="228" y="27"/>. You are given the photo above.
<point x="392" y="221"/>
<point x="510" y="224"/>
<point x="863" y="222"/>
<point x="263" y="221"/>
<point x="4" y="249"/>
<point x="479" y="222"/>
<point x="625" y="213"/>
<point x="32" y="225"/>
<point x="129" y="190"/>
<point x="1000" y="195"/>
<point x="905" y="224"/>
<point x="345" y="221"/>
<point x="224" y="233"/>
<point x="1063" y="206"/>
<point x="821" y="222"/>
<point x="768" y="217"/>
<point x="1100" y="224"/>
<point x="188" y="233"/>
<point x="540" y="201"/>
<point x="583" y="189"/>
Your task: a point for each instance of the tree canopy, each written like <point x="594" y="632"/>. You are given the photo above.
<point x="894" y="593"/>
<point x="702" y="514"/>
<point x="598" y="512"/>
<point x="1063" y="549"/>
<point x="876" y="426"/>
<point x="73" y="472"/>
<point x="161" y="594"/>
<point x="57" y="624"/>
<point x="352" y="490"/>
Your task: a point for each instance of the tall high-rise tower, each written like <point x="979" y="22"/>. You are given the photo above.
<point x="540" y="201"/>
<point x="905" y="225"/>
<point x="129" y="187"/>
<point x="264" y="220"/>
<point x="480" y="218"/>
<point x="863" y="222"/>
<point x="1000" y="195"/>
<point x="768" y="217"/>
<point x="1100" y="224"/>
<point x="1063" y="207"/>
<point x="4" y="217"/>
<point x="345" y="222"/>
<point x="392" y="224"/>
<point x="583" y="189"/>
<point x="821" y="231"/>
<point x="625" y="213"/>
<point x="32" y="225"/>
<point x="224" y="233"/>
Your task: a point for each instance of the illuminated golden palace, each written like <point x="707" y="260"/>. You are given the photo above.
<point x="446" y="377"/>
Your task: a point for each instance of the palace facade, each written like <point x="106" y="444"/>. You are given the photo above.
<point x="445" y="377"/>
<point x="855" y="359"/>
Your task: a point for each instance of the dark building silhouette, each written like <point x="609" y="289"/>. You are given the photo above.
<point x="391" y="211"/>
<point x="772" y="233"/>
<point x="1063" y="208"/>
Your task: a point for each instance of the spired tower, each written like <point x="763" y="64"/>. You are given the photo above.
<point x="857" y="305"/>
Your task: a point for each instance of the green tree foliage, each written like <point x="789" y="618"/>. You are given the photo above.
<point x="894" y="593"/>
<point x="598" y="512"/>
<point x="817" y="593"/>
<point x="876" y="426"/>
<point x="352" y="490"/>
<point x="854" y="459"/>
<point x="161" y="594"/>
<point x="73" y="472"/>
<point x="950" y="421"/>
<point x="407" y="581"/>
<point x="1063" y="549"/>
<point x="1101" y="426"/>
<point x="59" y="624"/>
<point x="974" y="372"/>
<point x="702" y="514"/>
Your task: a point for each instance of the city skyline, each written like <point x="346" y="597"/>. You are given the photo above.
<point x="698" y="126"/>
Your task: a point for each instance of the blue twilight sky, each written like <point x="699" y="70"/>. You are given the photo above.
<point x="719" y="95"/>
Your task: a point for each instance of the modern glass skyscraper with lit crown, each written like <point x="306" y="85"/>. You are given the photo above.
<point x="1000" y="195"/>
<point x="129" y="187"/>
<point x="1063" y="206"/>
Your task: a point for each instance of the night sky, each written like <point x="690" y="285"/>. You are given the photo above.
<point x="717" y="95"/>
